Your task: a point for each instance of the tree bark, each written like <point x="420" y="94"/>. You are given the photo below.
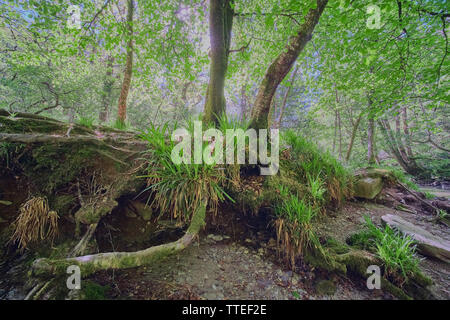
<point x="122" y="111"/>
<point x="107" y="90"/>
<point x="407" y="133"/>
<point x="286" y="96"/>
<point x="220" y="25"/>
<point x="352" y="139"/>
<point x="281" y="67"/>
<point x="409" y="165"/>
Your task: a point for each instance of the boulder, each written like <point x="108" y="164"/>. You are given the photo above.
<point x="427" y="243"/>
<point x="367" y="187"/>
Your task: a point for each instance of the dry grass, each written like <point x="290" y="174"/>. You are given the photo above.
<point x="35" y="222"/>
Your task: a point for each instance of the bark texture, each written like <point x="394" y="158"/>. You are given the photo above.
<point x="282" y="65"/>
<point x="220" y="24"/>
<point x="122" y="111"/>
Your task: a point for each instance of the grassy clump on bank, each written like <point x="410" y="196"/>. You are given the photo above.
<point x="309" y="182"/>
<point x="180" y="188"/>
<point x="397" y="251"/>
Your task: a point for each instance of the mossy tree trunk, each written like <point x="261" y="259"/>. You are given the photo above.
<point x="279" y="68"/>
<point x="122" y="111"/>
<point x="220" y="25"/>
<point x="107" y="90"/>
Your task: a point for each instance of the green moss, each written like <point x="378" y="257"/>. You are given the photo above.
<point x="325" y="287"/>
<point x="24" y="125"/>
<point x="51" y="166"/>
<point x="357" y="261"/>
<point x="93" y="291"/>
<point x="62" y="204"/>
<point x="324" y="259"/>
<point x="197" y="220"/>
<point x="337" y="246"/>
<point x="361" y="240"/>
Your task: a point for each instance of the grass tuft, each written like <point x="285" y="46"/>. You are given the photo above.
<point x="35" y="222"/>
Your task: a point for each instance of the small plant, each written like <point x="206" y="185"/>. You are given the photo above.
<point x="86" y="121"/>
<point x="403" y="177"/>
<point x="180" y="188"/>
<point x="316" y="189"/>
<point x="398" y="252"/>
<point x="429" y="195"/>
<point x="442" y="214"/>
<point x="294" y="226"/>
<point x="120" y="125"/>
<point x="35" y="222"/>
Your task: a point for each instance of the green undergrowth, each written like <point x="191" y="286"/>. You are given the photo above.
<point x="86" y="122"/>
<point x="309" y="183"/>
<point x="91" y="290"/>
<point x="397" y="251"/>
<point x="180" y="188"/>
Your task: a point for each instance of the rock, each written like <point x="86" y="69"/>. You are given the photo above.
<point x="427" y="243"/>
<point x="379" y="173"/>
<point x="368" y="188"/>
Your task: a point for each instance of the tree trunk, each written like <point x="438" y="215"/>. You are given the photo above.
<point x="281" y="67"/>
<point x="340" y="134"/>
<point x="370" y="133"/>
<point x="220" y="24"/>
<point x="406" y="132"/>
<point x="122" y="111"/>
<point x="370" y="139"/>
<point x="244" y="102"/>
<point x="352" y="139"/>
<point x="286" y="96"/>
<point x="409" y="165"/>
<point x="399" y="139"/>
<point x="107" y="91"/>
<point x="335" y="130"/>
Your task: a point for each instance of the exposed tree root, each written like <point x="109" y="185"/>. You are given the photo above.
<point x="120" y="260"/>
<point x="80" y="248"/>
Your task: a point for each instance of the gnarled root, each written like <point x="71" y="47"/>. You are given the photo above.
<point x="119" y="260"/>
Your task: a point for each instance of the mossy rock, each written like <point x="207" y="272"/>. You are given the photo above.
<point x="325" y="259"/>
<point x="325" y="287"/>
<point x="367" y="187"/>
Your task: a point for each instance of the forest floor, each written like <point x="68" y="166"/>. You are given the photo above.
<point x="237" y="266"/>
<point x="225" y="269"/>
<point x="236" y="263"/>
